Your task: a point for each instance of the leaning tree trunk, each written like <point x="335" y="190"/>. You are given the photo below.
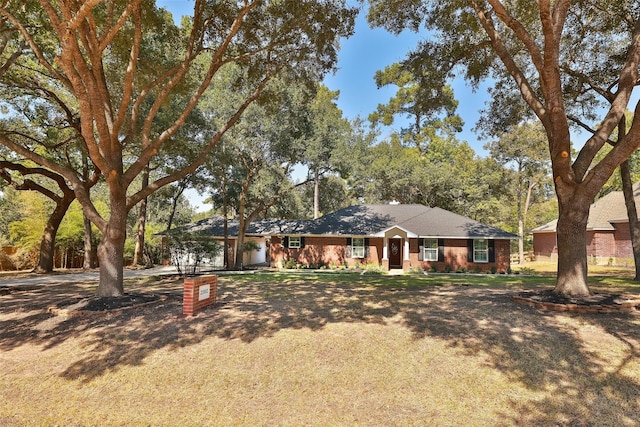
<point x="138" y="253"/>
<point x="89" y="261"/>
<point x="48" y="242"/>
<point x="225" y="228"/>
<point x="522" y="218"/>
<point x="572" y="245"/>
<point x="89" y="250"/>
<point x="520" y="229"/>
<point x="316" y="195"/>
<point x="632" y="213"/>
<point x="239" y="253"/>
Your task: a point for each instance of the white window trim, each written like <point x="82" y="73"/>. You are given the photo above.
<point x="479" y="251"/>
<point x="430" y="253"/>
<point x="297" y="240"/>
<point x="357" y="251"/>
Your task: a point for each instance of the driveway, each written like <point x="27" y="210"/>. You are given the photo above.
<point x="81" y="276"/>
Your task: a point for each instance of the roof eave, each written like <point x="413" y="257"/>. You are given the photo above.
<point x="386" y="230"/>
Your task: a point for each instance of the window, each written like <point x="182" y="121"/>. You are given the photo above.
<point x="430" y="249"/>
<point x="294" y="242"/>
<point x="357" y="247"/>
<point x="480" y="250"/>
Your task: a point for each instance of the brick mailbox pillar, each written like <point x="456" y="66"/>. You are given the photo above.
<point x="199" y="292"/>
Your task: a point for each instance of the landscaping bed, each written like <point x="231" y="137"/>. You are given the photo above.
<point x="104" y="305"/>
<point x="597" y="302"/>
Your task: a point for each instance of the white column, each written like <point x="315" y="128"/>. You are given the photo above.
<point x="385" y="249"/>
<point x="406" y="249"/>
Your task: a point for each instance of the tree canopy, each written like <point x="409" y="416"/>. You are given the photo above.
<point x="532" y="51"/>
<point x="120" y="62"/>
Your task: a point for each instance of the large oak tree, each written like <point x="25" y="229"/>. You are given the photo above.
<point x="529" y="44"/>
<point x="106" y="55"/>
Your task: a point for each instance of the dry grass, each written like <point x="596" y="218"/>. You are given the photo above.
<point x="320" y="350"/>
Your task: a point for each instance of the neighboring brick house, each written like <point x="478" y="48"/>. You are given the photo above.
<point x="608" y="236"/>
<point x="393" y="236"/>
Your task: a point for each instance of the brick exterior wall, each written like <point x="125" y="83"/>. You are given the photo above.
<point x="544" y="244"/>
<point x="622" y="236"/>
<point x="603" y="246"/>
<point x="455" y="257"/>
<point x="325" y="251"/>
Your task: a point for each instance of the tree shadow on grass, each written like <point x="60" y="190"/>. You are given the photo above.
<point x="582" y="364"/>
<point x="563" y="356"/>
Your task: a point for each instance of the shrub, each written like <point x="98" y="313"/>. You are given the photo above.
<point x="372" y="269"/>
<point x="24" y="259"/>
<point x="527" y="270"/>
<point x="416" y="270"/>
<point x="290" y="264"/>
<point x="250" y="246"/>
<point x="188" y="251"/>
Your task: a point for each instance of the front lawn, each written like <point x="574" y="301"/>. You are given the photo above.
<point x="321" y="349"/>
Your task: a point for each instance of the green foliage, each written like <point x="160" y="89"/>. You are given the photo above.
<point x="523" y="153"/>
<point x="147" y="77"/>
<point x="327" y="147"/>
<point x="428" y="105"/>
<point x="615" y="182"/>
<point x="27" y="231"/>
<point x="372" y="269"/>
<point x="70" y="235"/>
<point x="416" y="270"/>
<point x="250" y="246"/>
<point x="289" y="264"/>
<point x="448" y="175"/>
<point x="10" y="211"/>
<point x="334" y="194"/>
<point x="153" y="243"/>
<point x="188" y="251"/>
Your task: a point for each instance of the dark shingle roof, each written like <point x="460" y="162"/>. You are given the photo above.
<point x="363" y="220"/>
<point x="420" y="220"/>
<point x="603" y="213"/>
<point x="214" y="227"/>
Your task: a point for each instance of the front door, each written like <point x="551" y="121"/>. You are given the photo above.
<point x="395" y="253"/>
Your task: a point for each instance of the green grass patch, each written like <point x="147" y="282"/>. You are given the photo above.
<point x="496" y="281"/>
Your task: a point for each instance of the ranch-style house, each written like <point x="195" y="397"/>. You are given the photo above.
<point x="393" y="236"/>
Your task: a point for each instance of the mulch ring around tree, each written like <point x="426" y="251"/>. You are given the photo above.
<point x="595" y="303"/>
<point x="104" y="305"/>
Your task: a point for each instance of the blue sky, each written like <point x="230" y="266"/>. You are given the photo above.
<point x="361" y="55"/>
<point x="370" y="50"/>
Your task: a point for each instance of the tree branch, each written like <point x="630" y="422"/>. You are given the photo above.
<point x="627" y="81"/>
<point x="516" y="73"/>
